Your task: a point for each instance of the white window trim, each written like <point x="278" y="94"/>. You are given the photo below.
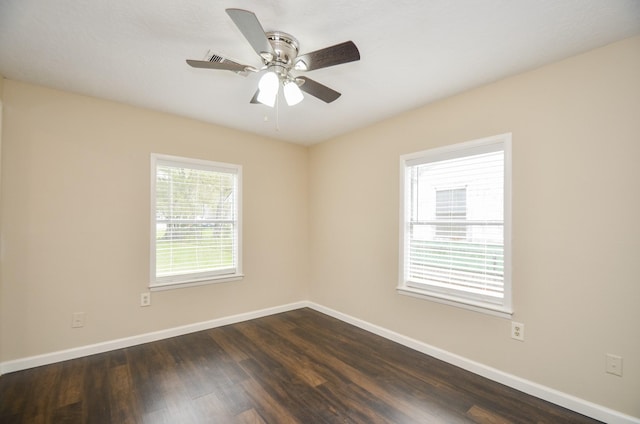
<point x="194" y="279"/>
<point x="504" y="310"/>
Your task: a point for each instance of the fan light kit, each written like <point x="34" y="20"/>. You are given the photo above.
<point x="279" y="54"/>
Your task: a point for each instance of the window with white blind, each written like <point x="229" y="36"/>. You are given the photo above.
<point x="195" y="221"/>
<point x="455" y="225"/>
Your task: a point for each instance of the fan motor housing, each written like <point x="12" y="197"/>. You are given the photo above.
<point x="285" y="47"/>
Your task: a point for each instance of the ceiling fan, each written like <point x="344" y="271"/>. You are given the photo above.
<point x="279" y="54"/>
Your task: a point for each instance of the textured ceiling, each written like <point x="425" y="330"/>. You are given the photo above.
<point x="412" y="52"/>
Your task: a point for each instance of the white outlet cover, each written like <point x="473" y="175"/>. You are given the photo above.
<point x="145" y="299"/>
<point x="517" y="331"/>
<point x="614" y="364"/>
<point x="77" y="319"/>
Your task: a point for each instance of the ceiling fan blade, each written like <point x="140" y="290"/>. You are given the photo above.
<point x="247" y="22"/>
<point x="318" y="90"/>
<point x="218" y="62"/>
<point x="329" y="56"/>
<point x="254" y="99"/>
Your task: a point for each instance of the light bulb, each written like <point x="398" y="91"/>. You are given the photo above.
<point x="268" y="88"/>
<point x="292" y="93"/>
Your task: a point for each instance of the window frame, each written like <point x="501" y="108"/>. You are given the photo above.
<point x="196" y="278"/>
<point x="448" y="297"/>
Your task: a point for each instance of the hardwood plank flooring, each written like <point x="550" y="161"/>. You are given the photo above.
<point x="296" y="367"/>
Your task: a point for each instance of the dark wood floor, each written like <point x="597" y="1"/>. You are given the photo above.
<point x="296" y="367"/>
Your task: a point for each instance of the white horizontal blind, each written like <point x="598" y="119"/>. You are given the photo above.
<point x="196" y="221"/>
<point x="455" y="224"/>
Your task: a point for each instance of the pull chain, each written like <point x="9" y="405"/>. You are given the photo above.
<point x="278" y="113"/>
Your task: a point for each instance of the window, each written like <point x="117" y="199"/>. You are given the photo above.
<point x="455" y="225"/>
<point x="195" y="221"/>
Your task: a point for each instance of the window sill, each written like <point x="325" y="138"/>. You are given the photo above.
<point x="194" y="283"/>
<point x="485" y="308"/>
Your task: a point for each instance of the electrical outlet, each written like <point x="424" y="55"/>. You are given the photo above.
<point x="517" y="331"/>
<point x="145" y="299"/>
<point x="77" y="319"/>
<point x="614" y="364"/>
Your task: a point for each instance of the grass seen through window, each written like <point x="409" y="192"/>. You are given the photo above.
<point x="193" y="247"/>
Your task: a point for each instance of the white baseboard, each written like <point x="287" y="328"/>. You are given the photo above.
<point x="78" y="352"/>
<point x="565" y="400"/>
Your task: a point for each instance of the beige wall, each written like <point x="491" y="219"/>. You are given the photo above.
<point x="576" y="227"/>
<point x="75" y="210"/>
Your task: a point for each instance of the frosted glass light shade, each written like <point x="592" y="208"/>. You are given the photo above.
<point x="292" y="93"/>
<point x="268" y="88"/>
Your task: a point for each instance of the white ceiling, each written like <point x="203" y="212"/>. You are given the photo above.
<point x="412" y="52"/>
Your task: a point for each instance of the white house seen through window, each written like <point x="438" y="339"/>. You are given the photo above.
<point x="451" y="207"/>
